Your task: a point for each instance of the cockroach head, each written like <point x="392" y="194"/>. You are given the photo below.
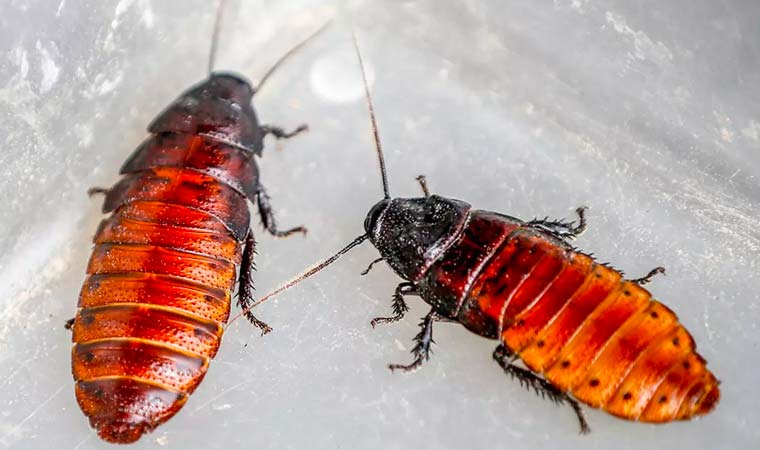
<point x="229" y="86"/>
<point x="219" y="107"/>
<point x="410" y="233"/>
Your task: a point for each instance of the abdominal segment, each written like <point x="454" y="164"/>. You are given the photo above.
<point x="587" y="330"/>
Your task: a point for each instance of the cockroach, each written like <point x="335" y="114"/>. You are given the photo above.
<point x="584" y="331"/>
<point x="161" y="275"/>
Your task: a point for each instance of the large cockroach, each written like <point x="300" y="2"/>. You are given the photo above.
<point x="162" y="272"/>
<point x="584" y="331"/>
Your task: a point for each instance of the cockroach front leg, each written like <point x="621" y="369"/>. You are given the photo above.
<point x="648" y="277"/>
<point x="245" y="289"/>
<point x="561" y="228"/>
<point x="369" y="267"/>
<point x="280" y="133"/>
<point x="267" y="216"/>
<point x="423" y="341"/>
<point x="399" y="305"/>
<point x="542" y="387"/>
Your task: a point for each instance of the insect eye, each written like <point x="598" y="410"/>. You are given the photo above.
<point x="374" y="215"/>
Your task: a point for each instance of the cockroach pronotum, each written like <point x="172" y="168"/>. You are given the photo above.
<point x="161" y="275"/>
<point x="585" y="332"/>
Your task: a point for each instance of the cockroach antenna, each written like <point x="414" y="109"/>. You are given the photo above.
<point x="371" y="108"/>
<point x="215" y="36"/>
<point x="306" y="274"/>
<point x="309" y="272"/>
<point x="276" y="65"/>
<point x="289" y="53"/>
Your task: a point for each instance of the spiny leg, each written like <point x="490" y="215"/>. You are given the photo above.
<point x="423" y="340"/>
<point x="366" y="271"/>
<point x="399" y="305"/>
<point x="561" y="228"/>
<point x="648" y="277"/>
<point x="245" y="289"/>
<point x="423" y="184"/>
<point x="280" y="133"/>
<point x="542" y="387"/>
<point x="267" y="216"/>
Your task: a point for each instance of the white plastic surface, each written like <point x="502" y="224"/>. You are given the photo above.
<point x="646" y="113"/>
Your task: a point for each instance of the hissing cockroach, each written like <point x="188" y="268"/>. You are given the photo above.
<point x="162" y="272"/>
<point x="589" y="332"/>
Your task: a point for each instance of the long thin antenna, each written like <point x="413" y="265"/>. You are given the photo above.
<point x="302" y="276"/>
<point x="215" y="36"/>
<point x="378" y="146"/>
<point x="289" y="53"/>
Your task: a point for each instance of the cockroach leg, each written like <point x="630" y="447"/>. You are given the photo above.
<point x="423" y="340"/>
<point x="542" y="387"/>
<point x="245" y="289"/>
<point x="399" y="305"/>
<point x="369" y="267"/>
<point x="93" y="191"/>
<point x="280" y="133"/>
<point x="582" y="225"/>
<point x="423" y="184"/>
<point x="267" y="216"/>
<point x="648" y="277"/>
<point x="69" y="323"/>
<point x="561" y="228"/>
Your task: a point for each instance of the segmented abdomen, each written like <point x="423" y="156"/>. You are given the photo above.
<point x="581" y="325"/>
<point x="159" y="284"/>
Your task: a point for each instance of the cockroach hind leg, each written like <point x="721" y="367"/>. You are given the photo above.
<point x="648" y="277"/>
<point x="258" y="323"/>
<point x="93" y="191"/>
<point x="69" y="325"/>
<point x="423" y="341"/>
<point x="562" y="229"/>
<point x="399" y="305"/>
<point x="280" y="133"/>
<point x="245" y="282"/>
<point x="267" y="216"/>
<point x="540" y="386"/>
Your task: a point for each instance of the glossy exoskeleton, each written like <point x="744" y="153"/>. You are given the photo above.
<point x="580" y="324"/>
<point x="590" y="334"/>
<point x="161" y="276"/>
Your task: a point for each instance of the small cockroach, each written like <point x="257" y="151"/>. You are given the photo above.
<point x="161" y="275"/>
<point x="585" y="332"/>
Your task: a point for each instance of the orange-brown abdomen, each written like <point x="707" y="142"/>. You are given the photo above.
<point x="581" y="325"/>
<point x="158" y="287"/>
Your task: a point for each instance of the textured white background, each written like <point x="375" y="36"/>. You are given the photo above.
<point x="647" y="112"/>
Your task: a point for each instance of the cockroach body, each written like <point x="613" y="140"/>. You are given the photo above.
<point x="161" y="276"/>
<point x="588" y="331"/>
<point x="579" y="326"/>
